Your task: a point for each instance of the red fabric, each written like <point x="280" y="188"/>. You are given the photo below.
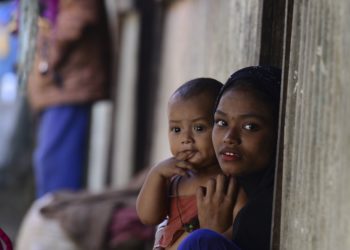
<point x="187" y="205"/>
<point x="127" y="226"/>
<point x="6" y="240"/>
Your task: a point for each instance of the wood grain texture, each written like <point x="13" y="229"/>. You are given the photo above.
<point x="203" y="38"/>
<point x="315" y="197"/>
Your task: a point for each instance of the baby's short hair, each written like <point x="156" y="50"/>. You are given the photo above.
<point x="199" y="86"/>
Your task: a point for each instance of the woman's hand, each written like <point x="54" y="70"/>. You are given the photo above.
<point x="215" y="203"/>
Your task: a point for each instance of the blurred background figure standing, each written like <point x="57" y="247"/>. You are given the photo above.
<point x="15" y="141"/>
<point x="8" y="52"/>
<point x="70" y="72"/>
<point x="8" y="74"/>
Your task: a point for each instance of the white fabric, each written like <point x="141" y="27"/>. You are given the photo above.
<point x="39" y="233"/>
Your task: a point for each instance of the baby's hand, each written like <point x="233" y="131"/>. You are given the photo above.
<point x="174" y="166"/>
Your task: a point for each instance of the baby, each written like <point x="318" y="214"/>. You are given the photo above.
<point x="169" y="191"/>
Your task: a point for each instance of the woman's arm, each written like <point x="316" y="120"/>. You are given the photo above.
<point x="73" y="18"/>
<point x="240" y="202"/>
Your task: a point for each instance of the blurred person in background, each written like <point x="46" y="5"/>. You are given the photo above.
<point x="8" y="52"/>
<point x="8" y="77"/>
<point x="71" y="70"/>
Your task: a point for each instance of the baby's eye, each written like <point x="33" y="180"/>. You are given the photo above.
<point x="175" y="129"/>
<point x="220" y="123"/>
<point x="199" y="128"/>
<point x="251" y="126"/>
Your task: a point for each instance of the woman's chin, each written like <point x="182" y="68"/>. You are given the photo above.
<point x="232" y="170"/>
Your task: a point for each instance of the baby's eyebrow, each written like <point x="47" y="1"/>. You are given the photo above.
<point x="174" y="121"/>
<point x="201" y="118"/>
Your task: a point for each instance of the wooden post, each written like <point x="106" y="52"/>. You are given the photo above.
<point x="28" y="14"/>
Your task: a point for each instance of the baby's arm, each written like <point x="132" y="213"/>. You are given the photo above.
<point x="152" y="201"/>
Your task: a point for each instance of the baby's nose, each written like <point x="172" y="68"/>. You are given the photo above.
<point x="186" y="139"/>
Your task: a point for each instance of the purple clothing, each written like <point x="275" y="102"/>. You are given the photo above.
<point x="50" y="9"/>
<point x="205" y="239"/>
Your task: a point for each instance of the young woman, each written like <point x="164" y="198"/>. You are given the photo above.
<point x="244" y="138"/>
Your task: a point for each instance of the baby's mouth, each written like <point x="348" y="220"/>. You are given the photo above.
<point x="188" y="153"/>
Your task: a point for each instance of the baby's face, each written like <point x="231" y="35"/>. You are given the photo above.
<point x="190" y="127"/>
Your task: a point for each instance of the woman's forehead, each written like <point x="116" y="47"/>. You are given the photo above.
<point x="243" y="101"/>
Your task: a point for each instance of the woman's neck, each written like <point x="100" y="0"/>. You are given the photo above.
<point x="209" y="170"/>
<point x="253" y="182"/>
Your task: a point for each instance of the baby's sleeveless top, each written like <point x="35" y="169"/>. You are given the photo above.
<point x="183" y="210"/>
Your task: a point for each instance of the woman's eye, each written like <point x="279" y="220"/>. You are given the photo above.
<point x="175" y="129"/>
<point x="250" y="127"/>
<point x="220" y="123"/>
<point x="198" y="128"/>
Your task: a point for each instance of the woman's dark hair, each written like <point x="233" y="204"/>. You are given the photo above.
<point x="265" y="80"/>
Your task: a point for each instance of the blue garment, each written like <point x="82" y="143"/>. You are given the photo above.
<point x="205" y="239"/>
<point x="9" y="41"/>
<point x="61" y="150"/>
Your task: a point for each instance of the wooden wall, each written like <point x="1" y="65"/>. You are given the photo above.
<point x="315" y="204"/>
<point x="203" y="38"/>
<point x="213" y="39"/>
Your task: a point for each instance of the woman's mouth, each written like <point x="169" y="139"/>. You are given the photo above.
<point x="230" y="156"/>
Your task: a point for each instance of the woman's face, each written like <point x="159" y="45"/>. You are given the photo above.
<point x="244" y="133"/>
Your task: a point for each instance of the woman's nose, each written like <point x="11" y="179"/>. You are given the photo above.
<point x="232" y="137"/>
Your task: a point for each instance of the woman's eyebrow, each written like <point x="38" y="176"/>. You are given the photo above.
<point x="201" y="118"/>
<point x="244" y="115"/>
<point x="253" y="115"/>
<point x="218" y="111"/>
